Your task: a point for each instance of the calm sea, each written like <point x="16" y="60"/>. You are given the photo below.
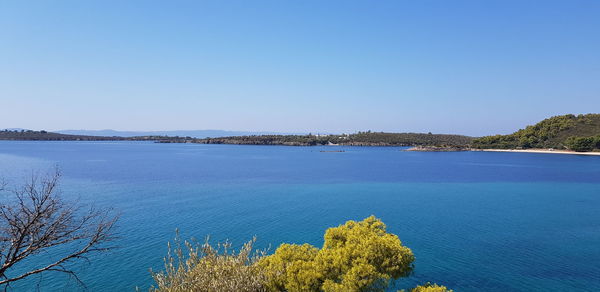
<point x="476" y="221"/>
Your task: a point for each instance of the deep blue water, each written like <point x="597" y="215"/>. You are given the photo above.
<point x="476" y="221"/>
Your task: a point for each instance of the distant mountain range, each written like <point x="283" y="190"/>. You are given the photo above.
<point x="180" y="133"/>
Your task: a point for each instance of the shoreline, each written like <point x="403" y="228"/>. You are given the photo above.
<point x="543" y="151"/>
<point x="410" y="148"/>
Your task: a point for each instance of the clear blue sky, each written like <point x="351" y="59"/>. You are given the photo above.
<point x="468" y="67"/>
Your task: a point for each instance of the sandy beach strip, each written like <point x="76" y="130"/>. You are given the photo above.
<point x="539" y="151"/>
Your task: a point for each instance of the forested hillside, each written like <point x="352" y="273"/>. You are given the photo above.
<point x="578" y="133"/>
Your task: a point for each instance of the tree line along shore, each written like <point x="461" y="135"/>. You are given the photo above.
<point x="358" y="139"/>
<point x="579" y="133"/>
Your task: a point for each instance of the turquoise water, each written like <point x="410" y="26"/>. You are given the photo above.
<point x="476" y="221"/>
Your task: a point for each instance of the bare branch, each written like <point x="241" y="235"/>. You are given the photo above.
<point x="37" y="220"/>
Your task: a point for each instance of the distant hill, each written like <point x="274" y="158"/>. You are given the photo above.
<point x="29" y="135"/>
<point x="358" y="139"/>
<point x="22" y="134"/>
<point x="579" y="133"/>
<point x="180" y="133"/>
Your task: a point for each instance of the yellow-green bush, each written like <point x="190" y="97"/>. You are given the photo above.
<point x="355" y="256"/>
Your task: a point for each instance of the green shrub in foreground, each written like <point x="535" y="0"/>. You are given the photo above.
<point x="202" y="267"/>
<point x="356" y="256"/>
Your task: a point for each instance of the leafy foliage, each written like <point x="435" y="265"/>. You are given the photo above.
<point x="583" y="143"/>
<point x="356" y="256"/>
<point x="549" y="133"/>
<point x="195" y="267"/>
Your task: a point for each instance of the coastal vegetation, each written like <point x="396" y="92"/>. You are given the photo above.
<point x="358" y="139"/>
<point x="577" y="133"/>
<point x="203" y="267"/>
<point x="581" y="144"/>
<point x="355" y="256"/>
